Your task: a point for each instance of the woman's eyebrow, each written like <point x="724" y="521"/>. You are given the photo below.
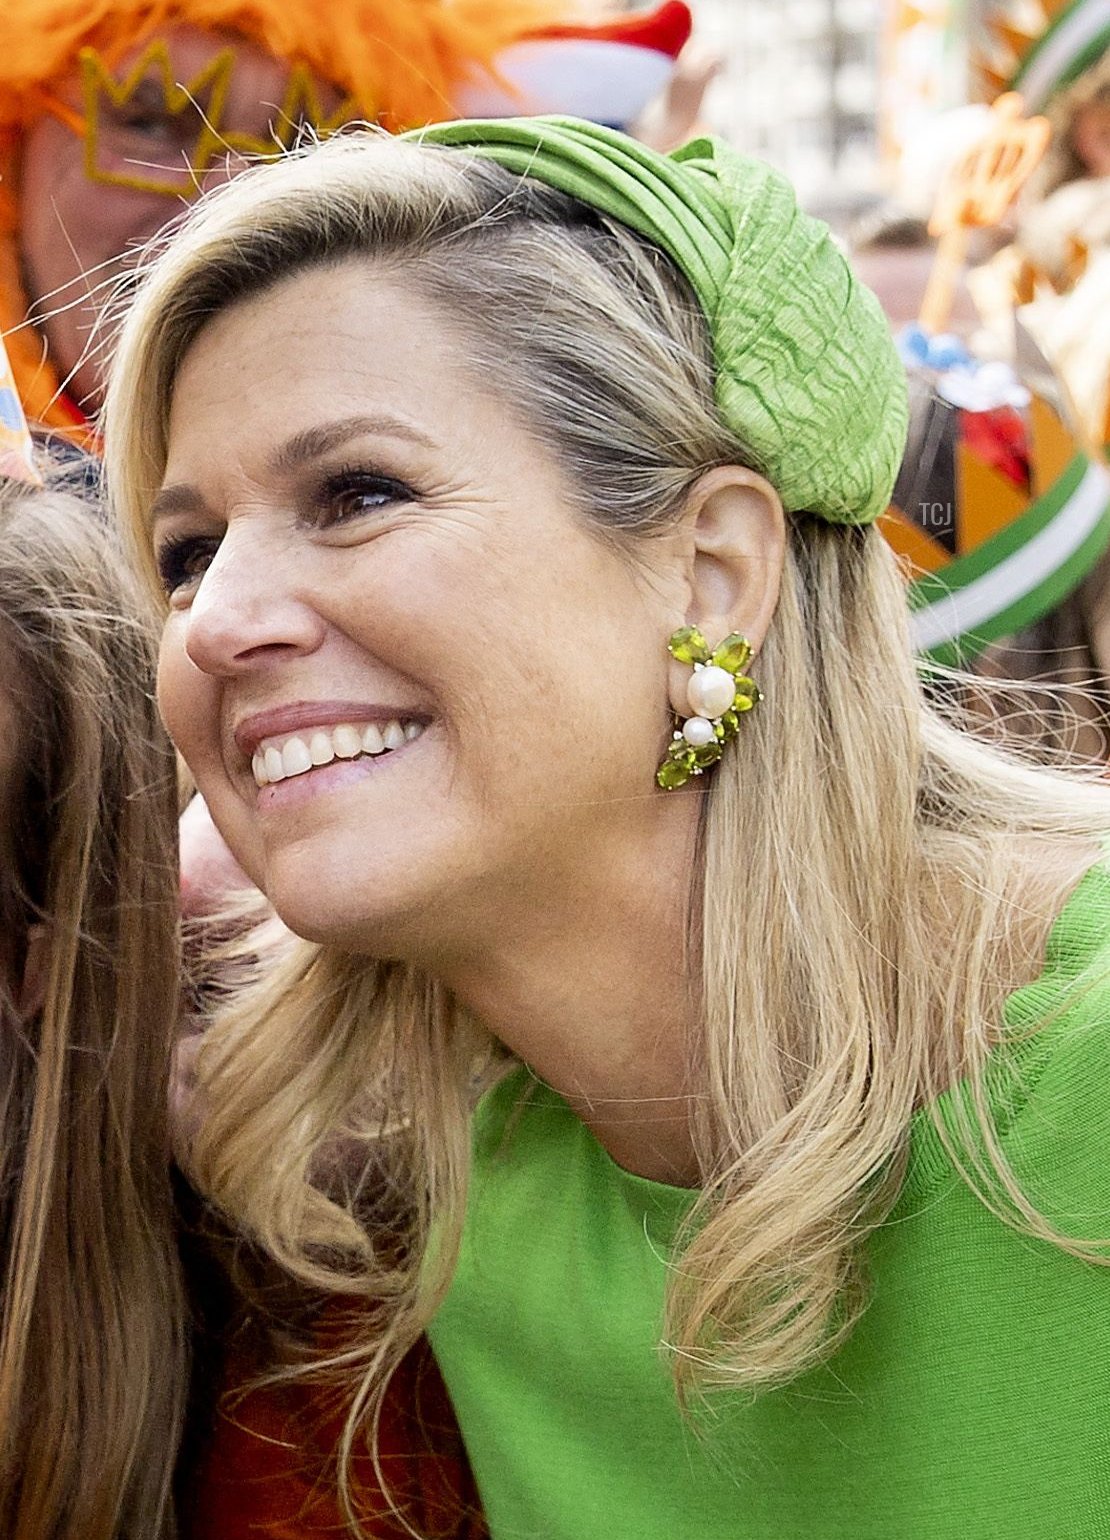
<point x="307" y="444"/>
<point x="179" y="497"/>
<point x="311" y="443"/>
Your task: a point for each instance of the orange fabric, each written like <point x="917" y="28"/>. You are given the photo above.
<point x="917" y="548"/>
<point x="269" y="1469"/>
<point x="1054" y="446"/>
<point x="988" y="501"/>
<point x="400" y="59"/>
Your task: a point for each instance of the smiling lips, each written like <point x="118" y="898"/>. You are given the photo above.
<point x="292" y="754"/>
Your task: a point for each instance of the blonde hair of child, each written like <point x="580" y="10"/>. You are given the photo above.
<point x="92" y="1351"/>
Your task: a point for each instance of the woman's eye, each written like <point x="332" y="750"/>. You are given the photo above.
<point x="352" y="494"/>
<point x="184" y="561"/>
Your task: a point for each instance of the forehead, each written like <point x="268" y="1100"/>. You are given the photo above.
<point x="344" y="337"/>
<point x="347" y="345"/>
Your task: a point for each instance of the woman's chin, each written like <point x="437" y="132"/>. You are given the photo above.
<point x="369" y="930"/>
<point x="382" y="919"/>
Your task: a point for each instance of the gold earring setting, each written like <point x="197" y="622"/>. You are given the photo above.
<point x="719" y="693"/>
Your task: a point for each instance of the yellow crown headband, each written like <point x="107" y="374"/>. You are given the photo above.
<point x="17" y="456"/>
<point x="202" y="98"/>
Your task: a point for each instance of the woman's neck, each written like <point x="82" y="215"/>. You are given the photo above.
<point x="595" y="992"/>
<point x="600" y="1000"/>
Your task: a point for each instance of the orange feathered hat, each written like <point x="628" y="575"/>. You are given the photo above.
<point x="401" y="61"/>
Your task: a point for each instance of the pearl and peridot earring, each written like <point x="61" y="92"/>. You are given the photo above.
<point x="719" y="692"/>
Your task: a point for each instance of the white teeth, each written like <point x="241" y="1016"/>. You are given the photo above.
<point x="347" y="740"/>
<point x="320" y="749"/>
<point x="295" y="758"/>
<point x="282" y="759"/>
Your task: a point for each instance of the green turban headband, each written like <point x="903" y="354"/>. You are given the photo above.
<point x="807" y="374"/>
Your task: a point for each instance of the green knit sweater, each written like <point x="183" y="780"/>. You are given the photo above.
<point x="972" y="1401"/>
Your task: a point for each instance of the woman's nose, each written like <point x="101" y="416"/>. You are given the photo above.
<point x="250" y="609"/>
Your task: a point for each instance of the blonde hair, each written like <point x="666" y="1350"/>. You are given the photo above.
<point x="852" y="846"/>
<point x="92" y="1361"/>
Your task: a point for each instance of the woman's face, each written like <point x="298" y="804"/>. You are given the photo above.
<point x="373" y="568"/>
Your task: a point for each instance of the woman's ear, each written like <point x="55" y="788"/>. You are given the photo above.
<point x="735" y="532"/>
<point x="36" y="971"/>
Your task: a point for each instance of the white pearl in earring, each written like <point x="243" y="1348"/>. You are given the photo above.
<point x="698" y="731"/>
<point x="711" y="691"/>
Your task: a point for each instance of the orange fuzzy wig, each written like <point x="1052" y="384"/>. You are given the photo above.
<point x="400" y="61"/>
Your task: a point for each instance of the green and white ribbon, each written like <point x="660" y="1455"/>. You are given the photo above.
<point x="1020" y="574"/>
<point x="1077" y="38"/>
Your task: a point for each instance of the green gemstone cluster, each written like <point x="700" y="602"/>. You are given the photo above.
<point x="686" y="759"/>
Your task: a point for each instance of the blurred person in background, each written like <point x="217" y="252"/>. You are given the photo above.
<point x="1066" y="215"/>
<point x="115" y="112"/>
